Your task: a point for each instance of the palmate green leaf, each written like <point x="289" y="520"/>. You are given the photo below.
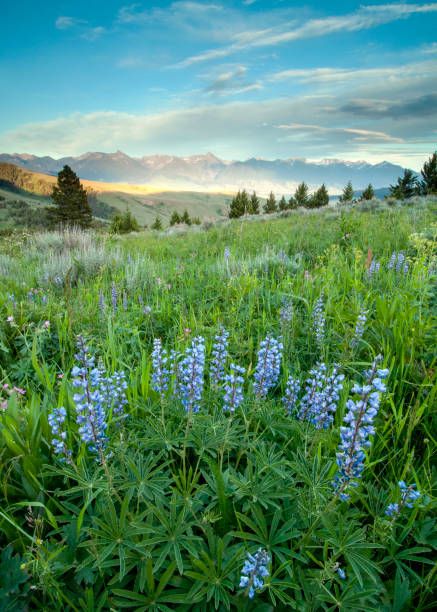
<point x="155" y="599"/>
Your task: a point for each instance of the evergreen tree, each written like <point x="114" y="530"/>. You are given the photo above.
<point x="254" y="204"/>
<point x="348" y="194"/>
<point x="406" y="187"/>
<point x="292" y="203"/>
<point x="124" y="223"/>
<point x="301" y="194"/>
<point x="270" y="205"/>
<point x="157" y="224"/>
<point x="245" y="202"/>
<point x="319" y="198"/>
<point x="368" y="193"/>
<point x="429" y="175"/>
<point x="175" y="218"/>
<point x="283" y="204"/>
<point x="70" y="201"/>
<point x="236" y="209"/>
<point x="185" y="218"/>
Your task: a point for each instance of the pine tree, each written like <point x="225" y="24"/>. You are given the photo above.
<point x="429" y="175"/>
<point x="292" y="203"/>
<point x="175" y="218"/>
<point x="157" y="224"/>
<point x="301" y="194"/>
<point x="368" y="193"/>
<point x="245" y="202"/>
<point x="348" y="194"/>
<point x="283" y="204"/>
<point x="406" y="186"/>
<point x="254" y="204"/>
<point x="185" y="218"/>
<point x="236" y="208"/>
<point x="270" y="205"/>
<point x="319" y="198"/>
<point x="70" y="201"/>
<point x="124" y="223"/>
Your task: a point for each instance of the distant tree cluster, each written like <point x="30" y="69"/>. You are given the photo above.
<point x="243" y="204"/>
<point x="185" y="218"/>
<point x="409" y="184"/>
<point x="124" y="223"/>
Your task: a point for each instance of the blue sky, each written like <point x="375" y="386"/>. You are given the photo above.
<point x="238" y="78"/>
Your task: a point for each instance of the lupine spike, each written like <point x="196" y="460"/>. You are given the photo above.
<point x="254" y="572"/>
<point x="233" y="388"/>
<point x="268" y="365"/>
<point x="291" y="395"/>
<point x="191" y="372"/>
<point x="160" y="372"/>
<point x="319" y="321"/>
<point x="219" y="356"/>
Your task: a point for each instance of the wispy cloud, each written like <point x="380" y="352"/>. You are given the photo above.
<point x="65" y="23"/>
<point x="93" y="33"/>
<point x="357" y="134"/>
<point x="364" y="18"/>
<point x="232" y="82"/>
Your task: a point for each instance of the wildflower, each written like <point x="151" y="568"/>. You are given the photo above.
<point x="373" y="268"/>
<point x="291" y="394"/>
<point x="219" y="355"/>
<point x="313" y="387"/>
<point x="341" y="573"/>
<point x="227" y="253"/>
<point x="268" y="365"/>
<point x="46" y="325"/>
<point x="254" y="572"/>
<point x="160" y="373"/>
<point x="125" y="304"/>
<point x="286" y="311"/>
<point x="191" y="370"/>
<point x="114" y="297"/>
<point x="355" y="434"/>
<point x="56" y="419"/>
<point x="19" y="390"/>
<point x="187" y="331"/>
<point x="326" y="401"/>
<point x="147" y="310"/>
<point x="319" y="321"/>
<point x="101" y="302"/>
<point x="113" y="389"/>
<point x="233" y="388"/>
<point x="409" y="495"/>
<point x="10" y="320"/>
<point x="359" y="328"/>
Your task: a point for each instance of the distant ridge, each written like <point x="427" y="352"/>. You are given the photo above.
<point x="208" y="172"/>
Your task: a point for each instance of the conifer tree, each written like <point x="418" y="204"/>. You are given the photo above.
<point x="429" y="175"/>
<point x="245" y="202"/>
<point x="319" y="198"/>
<point x="283" y="204"/>
<point x="368" y="193"/>
<point x="157" y="224"/>
<point x="236" y="208"/>
<point x="348" y="194"/>
<point x="301" y="194"/>
<point x="175" y="218"/>
<point x="185" y="218"/>
<point x="270" y="205"/>
<point x="292" y="203"/>
<point x="70" y="201"/>
<point x="254" y="204"/>
<point x="406" y="186"/>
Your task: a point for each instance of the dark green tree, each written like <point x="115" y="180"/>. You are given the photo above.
<point x="237" y="207"/>
<point x="245" y="202"/>
<point x="406" y="186"/>
<point x="254" y="204"/>
<point x="319" y="198"/>
<point x="175" y="218"/>
<point x="185" y="218"/>
<point x="124" y="223"/>
<point x="301" y="194"/>
<point x="270" y="205"/>
<point x="70" y="201"/>
<point x="157" y="224"/>
<point x="283" y="205"/>
<point x="429" y="175"/>
<point x="292" y="203"/>
<point x="348" y="194"/>
<point x="368" y="193"/>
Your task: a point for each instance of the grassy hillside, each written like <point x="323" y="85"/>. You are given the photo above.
<point x="146" y="483"/>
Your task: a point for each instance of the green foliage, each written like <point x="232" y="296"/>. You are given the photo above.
<point x="406" y="186"/>
<point x="241" y="205"/>
<point x="175" y="218"/>
<point x="124" y="223"/>
<point x="185" y="218"/>
<point x="270" y="205"/>
<point x="253" y="204"/>
<point x="368" y="193"/>
<point x="157" y="224"/>
<point x="301" y="195"/>
<point x="283" y="205"/>
<point x="429" y="175"/>
<point x="348" y="194"/>
<point x="70" y="201"/>
<point x="319" y="198"/>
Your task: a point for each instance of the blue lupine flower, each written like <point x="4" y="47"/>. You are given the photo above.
<point x="313" y="386"/>
<point x="233" y="388"/>
<point x="319" y="321"/>
<point x="398" y="262"/>
<point x="268" y="365"/>
<point x="286" y="311"/>
<point x="341" y="573"/>
<point x="227" y="253"/>
<point x="320" y="401"/>
<point x="219" y="356"/>
<point x="125" y="303"/>
<point x="101" y="301"/>
<point x="409" y="495"/>
<point x="114" y="297"/>
<point x="113" y="390"/>
<point x="373" y="268"/>
<point x="359" y="328"/>
<point x="291" y="394"/>
<point x="160" y="371"/>
<point x="191" y="372"/>
<point x="254" y="572"/>
<point x="56" y="419"/>
<point x="355" y="434"/>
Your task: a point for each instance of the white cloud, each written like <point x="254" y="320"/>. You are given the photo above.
<point x="65" y="23"/>
<point x="93" y="33"/>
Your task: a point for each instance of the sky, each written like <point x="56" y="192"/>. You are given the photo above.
<point x="246" y="78"/>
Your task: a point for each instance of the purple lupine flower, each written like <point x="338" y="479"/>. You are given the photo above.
<point x="227" y="253"/>
<point x="219" y="355"/>
<point x="409" y="495"/>
<point x="233" y="388"/>
<point x="268" y="365"/>
<point x="191" y="372"/>
<point x="291" y="394"/>
<point x="326" y="402"/>
<point x="255" y="570"/>
<point x="286" y="311"/>
<point x="113" y="389"/>
<point x="160" y="372"/>
<point x="56" y="419"/>
<point x="355" y="434"/>
<point x="359" y="328"/>
<point x="373" y="268"/>
<point x="114" y="297"/>
<point x="313" y="387"/>
<point x="319" y="321"/>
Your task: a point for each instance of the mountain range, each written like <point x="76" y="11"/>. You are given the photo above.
<point x="210" y="173"/>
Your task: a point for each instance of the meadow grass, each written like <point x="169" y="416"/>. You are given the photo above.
<point x="165" y="517"/>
